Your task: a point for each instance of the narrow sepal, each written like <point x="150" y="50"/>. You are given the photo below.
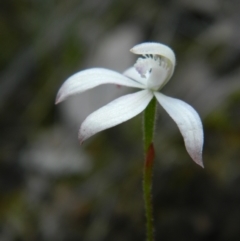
<point x="90" y="78"/>
<point x="114" y="113"/>
<point x="188" y="122"/>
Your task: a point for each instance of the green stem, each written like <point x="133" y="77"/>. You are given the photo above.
<point x="149" y="124"/>
<point x="148" y="131"/>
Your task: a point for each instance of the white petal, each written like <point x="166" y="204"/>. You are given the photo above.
<point x="157" y="78"/>
<point x="133" y="74"/>
<point x="114" y="113"/>
<point x="188" y="122"/>
<point x="91" y="78"/>
<point x="155" y="48"/>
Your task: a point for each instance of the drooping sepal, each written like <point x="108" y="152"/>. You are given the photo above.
<point x="114" y="113"/>
<point x="188" y="122"/>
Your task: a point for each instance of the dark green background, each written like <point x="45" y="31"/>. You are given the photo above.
<point x="43" y="42"/>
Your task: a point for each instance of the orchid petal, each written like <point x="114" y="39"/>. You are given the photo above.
<point x="133" y="74"/>
<point x="90" y="78"/>
<point x="188" y="122"/>
<point x="114" y="113"/>
<point x="157" y="78"/>
<point x="157" y="49"/>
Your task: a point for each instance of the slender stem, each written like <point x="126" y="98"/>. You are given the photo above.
<point x="147" y="192"/>
<point x="149" y="124"/>
<point x="149" y="121"/>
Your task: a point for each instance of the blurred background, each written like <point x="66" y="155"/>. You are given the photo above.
<point x="51" y="188"/>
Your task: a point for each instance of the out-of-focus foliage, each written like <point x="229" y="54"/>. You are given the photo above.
<point x="53" y="189"/>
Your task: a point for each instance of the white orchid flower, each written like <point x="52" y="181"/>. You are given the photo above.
<point x="150" y="73"/>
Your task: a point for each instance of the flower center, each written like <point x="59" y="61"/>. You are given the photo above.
<point x="154" y="68"/>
